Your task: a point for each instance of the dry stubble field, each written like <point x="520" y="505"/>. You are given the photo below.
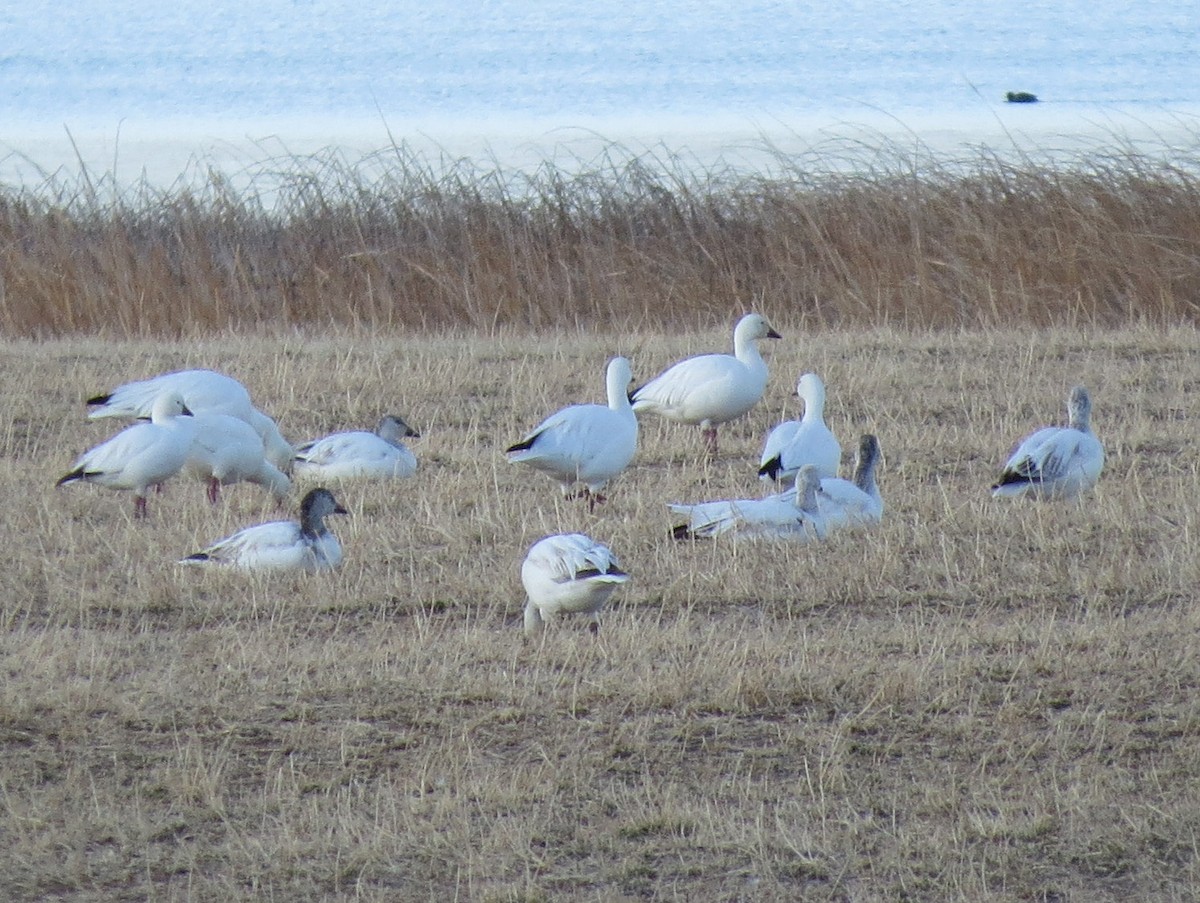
<point x="980" y="700"/>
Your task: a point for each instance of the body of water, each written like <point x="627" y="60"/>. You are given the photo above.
<point x="131" y="87"/>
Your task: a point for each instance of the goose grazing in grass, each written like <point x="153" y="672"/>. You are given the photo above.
<point x="711" y="389"/>
<point x="845" y="503"/>
<point x="795" y="516"/>
<point x="204" y="392"/>
<point x="585" y="443"/>
<point x="360" y="455"/>
<point x="1056" y="462"/>
<point x="568" y="573"/>
<point x="286" y="545"/>
<point x="227" y="450"/>
<point x="808" y="440"/>
<point x="142" y="455"/>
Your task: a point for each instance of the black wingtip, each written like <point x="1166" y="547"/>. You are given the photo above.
<point x="68" y="477"/>
<point x="99" y="399"/>
<point x="682" y="532"/>
<point x="1010" y="477"/>
<point x="522" y="445"/>
<point x="199" y="556"/>
<point x="771" y="468"/>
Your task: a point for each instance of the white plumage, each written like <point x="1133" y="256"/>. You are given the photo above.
<point x="585" y="443"/>
<point x="306" y="546"/>
<point x="568" y="573"/>
<point x="142" y="455"/>
<point x="795" y="515"/>
<point x="225" y="450"/>
<point x="808" y="440"/>
<point x="845" y="503"/>
<point x="711" y="389"/>
<point x="1056" y="462"/>
<point x="204" y="392"/>
<point x="360" y="454"/>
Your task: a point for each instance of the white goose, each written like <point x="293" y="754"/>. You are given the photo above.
<point x="1056" y="462"/>
<point x="307" y="546"/>
<point x="585" y="443"/>
<point x="796" y="516"/>
<point x="203" y="391"/>
<point x="359" y="454"/>
<point x="567" y="573"/>
<point x="227" y="450"/>
<point x="711" y="389"/>
<point x="142" y="455"/>
<point x="805" y="441"/>
<point x="846" y="503"/>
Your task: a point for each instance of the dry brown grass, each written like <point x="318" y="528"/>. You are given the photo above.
<point x="979" y="701"/>
<point x="857" y="235"/>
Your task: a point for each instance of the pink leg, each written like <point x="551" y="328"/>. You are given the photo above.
<point x="594" y="499"/>
<point x="710" y="441"/>
<point x="139" y="506"/>
<point x="214" y="490"/>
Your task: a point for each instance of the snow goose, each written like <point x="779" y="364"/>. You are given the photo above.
<point x="796" y="516"/>
<point x="142" y="455"/>
<point x="360" y="454"/>
<point x="568" y="572"/>
<point x="804" y="441"/>
<point x="203" y="391"/>
<point x="585" y="443"/>
<point x="845" y="503"/>
<point x="711" y="389"/>
<point x="227" y="450"/>
<point x="1056" y="462"/>
<point x="286" y="545"/>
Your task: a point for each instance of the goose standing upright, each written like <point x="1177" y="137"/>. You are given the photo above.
<point x="1056" y="462"/>
<point x="142" y="455"/>
<point x="568" y="573"/>
<point x="307" y="546"/>
<point x="795" y="515"/>
<point x="204" y="392"/>
<point x="585" y="443"/>
<point x="711" y="389"/>
<point x="808" y="440"/>
<point x="359" y="454"/>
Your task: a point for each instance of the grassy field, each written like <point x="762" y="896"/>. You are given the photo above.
<point x="976" y="701"/>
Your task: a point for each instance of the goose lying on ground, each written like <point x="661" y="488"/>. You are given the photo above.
<point x="568" y="573"/>
<point x="795" y="516"/>
<point x="711" y="389"/>
<point x="808" y="440"/>
<point x="585" y="443"/>
<point x="358" y="454"/>
<point x="142" y="455"/>
<point x="204" y="392"/>
<point x="845" y="503"/>
<point x="227" y="450"/>
<point x="307" y="546"/>
<point x="1056" y="462"/>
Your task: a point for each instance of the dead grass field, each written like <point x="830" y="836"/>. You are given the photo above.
<point x="978" y="701"/>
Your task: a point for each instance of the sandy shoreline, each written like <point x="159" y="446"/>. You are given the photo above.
<point x="167" y="152"/>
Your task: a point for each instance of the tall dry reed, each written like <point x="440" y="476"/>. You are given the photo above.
<point x="874" y="234"/>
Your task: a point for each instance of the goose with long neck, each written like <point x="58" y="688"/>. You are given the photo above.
<point x="711" y="389"/>
<point x="586" y="444"/>
<point x="808" y="440"/>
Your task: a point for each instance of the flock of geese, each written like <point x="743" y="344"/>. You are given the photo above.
<point x="203" y="424"/>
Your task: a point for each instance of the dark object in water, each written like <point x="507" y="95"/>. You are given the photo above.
<point x="1020" y="97"/>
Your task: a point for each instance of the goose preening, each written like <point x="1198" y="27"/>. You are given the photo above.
<point x="808" y="440"/>
<point x="711" y="389"/>
<point x="568" y="573"/>
<point x="585" y="443"/>
<point x="795" y="515"/>
<point x="225" y="450"/>
<point x="204" y="392"/>
<point x="142" y="455"/>
<point x="359" y="454"/>
<point x="1056" y="462"/>
<point x="306" y="546"/>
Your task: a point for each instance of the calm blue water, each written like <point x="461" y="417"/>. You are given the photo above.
<point x="138" y="79"/>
